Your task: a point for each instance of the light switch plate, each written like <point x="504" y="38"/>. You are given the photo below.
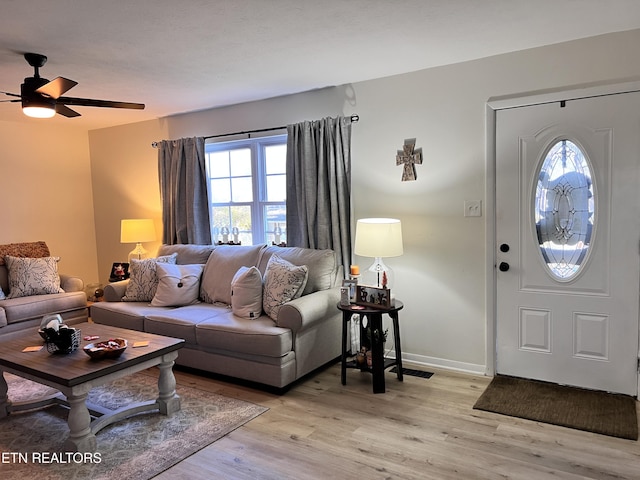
<point x="473" y="208"/>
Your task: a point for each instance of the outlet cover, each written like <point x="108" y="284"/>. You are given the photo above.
<point x="473" y="208"/>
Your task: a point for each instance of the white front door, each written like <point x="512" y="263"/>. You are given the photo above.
<point x="568" y="239"/>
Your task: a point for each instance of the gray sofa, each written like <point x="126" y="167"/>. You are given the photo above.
<point x="24" y="312"/>
<point x="304" y="335"/>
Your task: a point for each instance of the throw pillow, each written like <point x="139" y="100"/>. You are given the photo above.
<point x="246" y="293"/>
<point x="2" y="296"/>
<point x="143" y="279"/>
<point x="32" y="276"/>
<point x="178" y="285"/>
<point x="283" y="281"/>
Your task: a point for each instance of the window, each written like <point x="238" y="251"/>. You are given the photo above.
<point x="247" y="188"/>
<point x="564" y="209"/>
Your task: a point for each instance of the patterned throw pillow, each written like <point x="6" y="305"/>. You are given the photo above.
<point x="246" y="293"/>
<point x="178" y="285"/>
<point x="143" y="279"/>
<point x="2" y="296"/>
<point x="32" y="276"/>
<point x="283" y="281"/>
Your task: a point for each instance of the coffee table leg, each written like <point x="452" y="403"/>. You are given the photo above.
<point x="80" y="437"/>
<point x="4" y="397"/>
<point x="168" y="401"/>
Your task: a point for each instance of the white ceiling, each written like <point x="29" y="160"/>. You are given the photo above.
<point x="196" y="54"/>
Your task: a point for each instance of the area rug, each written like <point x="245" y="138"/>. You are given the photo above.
<point x="589" y="410"/>
<point x="139" y="447"/>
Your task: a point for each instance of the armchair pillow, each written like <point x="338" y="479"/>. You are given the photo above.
<point x="32" y="276"/>
<point x="143" y="280"/>
<point x="178" y="285"/>
<point x="283" y="281"/>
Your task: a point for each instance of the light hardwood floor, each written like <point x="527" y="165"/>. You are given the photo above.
<point x="418" y="429"/>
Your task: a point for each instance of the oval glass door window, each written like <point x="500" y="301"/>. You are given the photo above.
<point x="564" y="209"/>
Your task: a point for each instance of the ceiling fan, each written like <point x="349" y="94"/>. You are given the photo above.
<point x="42" y="98"/>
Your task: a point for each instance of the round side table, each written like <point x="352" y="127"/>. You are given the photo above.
<point x="378" y="362"/>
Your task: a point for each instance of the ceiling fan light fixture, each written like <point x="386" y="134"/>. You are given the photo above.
<point x="39" y="112"/>
<point x="34" y="104"/>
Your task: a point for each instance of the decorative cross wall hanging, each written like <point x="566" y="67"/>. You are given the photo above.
<point x="409" y="156"/>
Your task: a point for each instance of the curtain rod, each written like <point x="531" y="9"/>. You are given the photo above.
<point x="353" y="118"/>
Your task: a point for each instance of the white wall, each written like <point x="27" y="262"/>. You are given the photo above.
<point x="441" y="276"/>
<point x="45" y="192"/>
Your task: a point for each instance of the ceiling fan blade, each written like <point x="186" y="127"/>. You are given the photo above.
<point x="66" y="111"/>
<point x="88" y="102"/>
<point x="11" y="94"/>
<point x="57" y="87"/>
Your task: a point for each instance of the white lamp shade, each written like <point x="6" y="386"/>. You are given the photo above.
<point x="137" y="231"/>
<point x="378" y="237"/>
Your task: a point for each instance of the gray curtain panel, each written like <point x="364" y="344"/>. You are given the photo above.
<point x="184" y="192"/>
<point x="319" y="186"/>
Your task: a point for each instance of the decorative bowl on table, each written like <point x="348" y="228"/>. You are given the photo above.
<point x="111" y="348"/>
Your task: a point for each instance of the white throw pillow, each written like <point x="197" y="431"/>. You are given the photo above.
<point x="32" y="276"/>
<point x="283" y="281"/>
<point x="178" y="285"/>
<point x="246" y="293"/>
<point x="143" y="279"/>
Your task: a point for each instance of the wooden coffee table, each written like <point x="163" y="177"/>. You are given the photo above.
<point x="75" y="374"/>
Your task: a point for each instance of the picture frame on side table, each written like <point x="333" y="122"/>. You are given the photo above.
<point x="119" y="271"/>
<point x="373" y="297"/>
<point x="351" y="284"/>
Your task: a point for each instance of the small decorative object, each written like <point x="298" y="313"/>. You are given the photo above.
<point x="344" y="296"/>
<point x="361" y="356"/>
<point x="409" y="156"/>
<point x="235" y="231"/>
<point x="277" y="235"/>
<point x="351" y="285"/>
<point x="58" y="337"/>
<point x="373" y="297"/>
<point x="354" y="270"/>
<point x="112" y="348"/>
<point x="225" y="234"/>
<point x="119" y="271"/>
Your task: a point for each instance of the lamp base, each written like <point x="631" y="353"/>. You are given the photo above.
<point x="138" y="253"/>
<point x="377" y="273"/>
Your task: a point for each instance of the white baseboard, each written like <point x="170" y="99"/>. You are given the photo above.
<point x="475" y="369"/>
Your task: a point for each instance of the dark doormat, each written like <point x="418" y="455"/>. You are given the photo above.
<point x="412" y="372"/>
<point x="589" y="410"/>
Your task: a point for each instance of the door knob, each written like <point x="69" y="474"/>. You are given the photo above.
<point x="503" y="267"/>
<point x="504" y="248"/>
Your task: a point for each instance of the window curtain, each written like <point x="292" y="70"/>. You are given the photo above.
<point x="319" y="186"/>
<point x="183" y="192"/>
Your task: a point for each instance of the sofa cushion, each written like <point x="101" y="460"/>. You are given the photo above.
<point x="244" y="336"/>
<point x="283" y="282"/>
<point x="143" y="280"/>
<point x="181" y="322"/>
<point x="223" y="263"/>
<point x="187" y="254"/>
<point x="246" y="293"/>
<point x="322" y="265"/>
<point x="32" y="276"/>
<point x="128" y="315"/>
<point x="26" y="308"/>
<point x="177" y="285"/>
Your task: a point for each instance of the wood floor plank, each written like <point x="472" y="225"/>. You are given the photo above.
<point x="419" y="429"/>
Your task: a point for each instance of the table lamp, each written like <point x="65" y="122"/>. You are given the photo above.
<point x="378" y="238"/>
<point x="137" y="231"/>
